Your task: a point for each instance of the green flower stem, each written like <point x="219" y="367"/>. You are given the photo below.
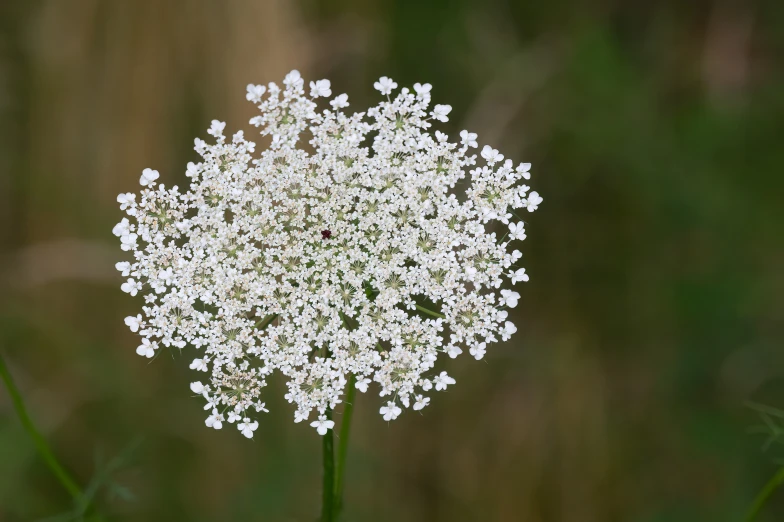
<point x="763" y="496"/>
<point x="40" y="443"/>
<point x="345" y="429"/>
<point x="263" y="323"/>
<point x="430" y="312"/>
<point x="328" y="495"/>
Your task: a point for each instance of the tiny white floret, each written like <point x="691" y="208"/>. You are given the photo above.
<point x="385" y="85"/>
<point x="390" y="411"/>
<point x="148" y="177"/>
<point x="320" y="89"/>
<point x="440" y="112"/>
<point x="322" y="425"/>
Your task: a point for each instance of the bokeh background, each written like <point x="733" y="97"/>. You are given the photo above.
<point x="654" y="314"/>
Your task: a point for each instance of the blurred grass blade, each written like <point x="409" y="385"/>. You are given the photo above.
<point x="765" y="494"/>
<point x="40" y="443"/>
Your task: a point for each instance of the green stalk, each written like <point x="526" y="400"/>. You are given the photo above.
<point x="763" y="496"/>
<point x="40" y="443"/>
<point x="261" y="324"/>
<point x="345" y="429"/>
<point x="430" y="312"/>
<point x="328" y="495"/>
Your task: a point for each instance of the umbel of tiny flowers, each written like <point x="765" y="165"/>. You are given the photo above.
<point x="344" y="256"/>
<point x="357" y="250"/>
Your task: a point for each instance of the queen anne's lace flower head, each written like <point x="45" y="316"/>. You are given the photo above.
<point x="363" y="252"/>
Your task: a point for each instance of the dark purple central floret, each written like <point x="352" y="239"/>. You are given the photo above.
<point x="326" y="234"/>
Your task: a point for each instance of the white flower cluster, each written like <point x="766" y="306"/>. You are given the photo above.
<point x="357" y="257"/>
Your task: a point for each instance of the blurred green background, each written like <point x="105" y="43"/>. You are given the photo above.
<point x="654" y="314"/>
